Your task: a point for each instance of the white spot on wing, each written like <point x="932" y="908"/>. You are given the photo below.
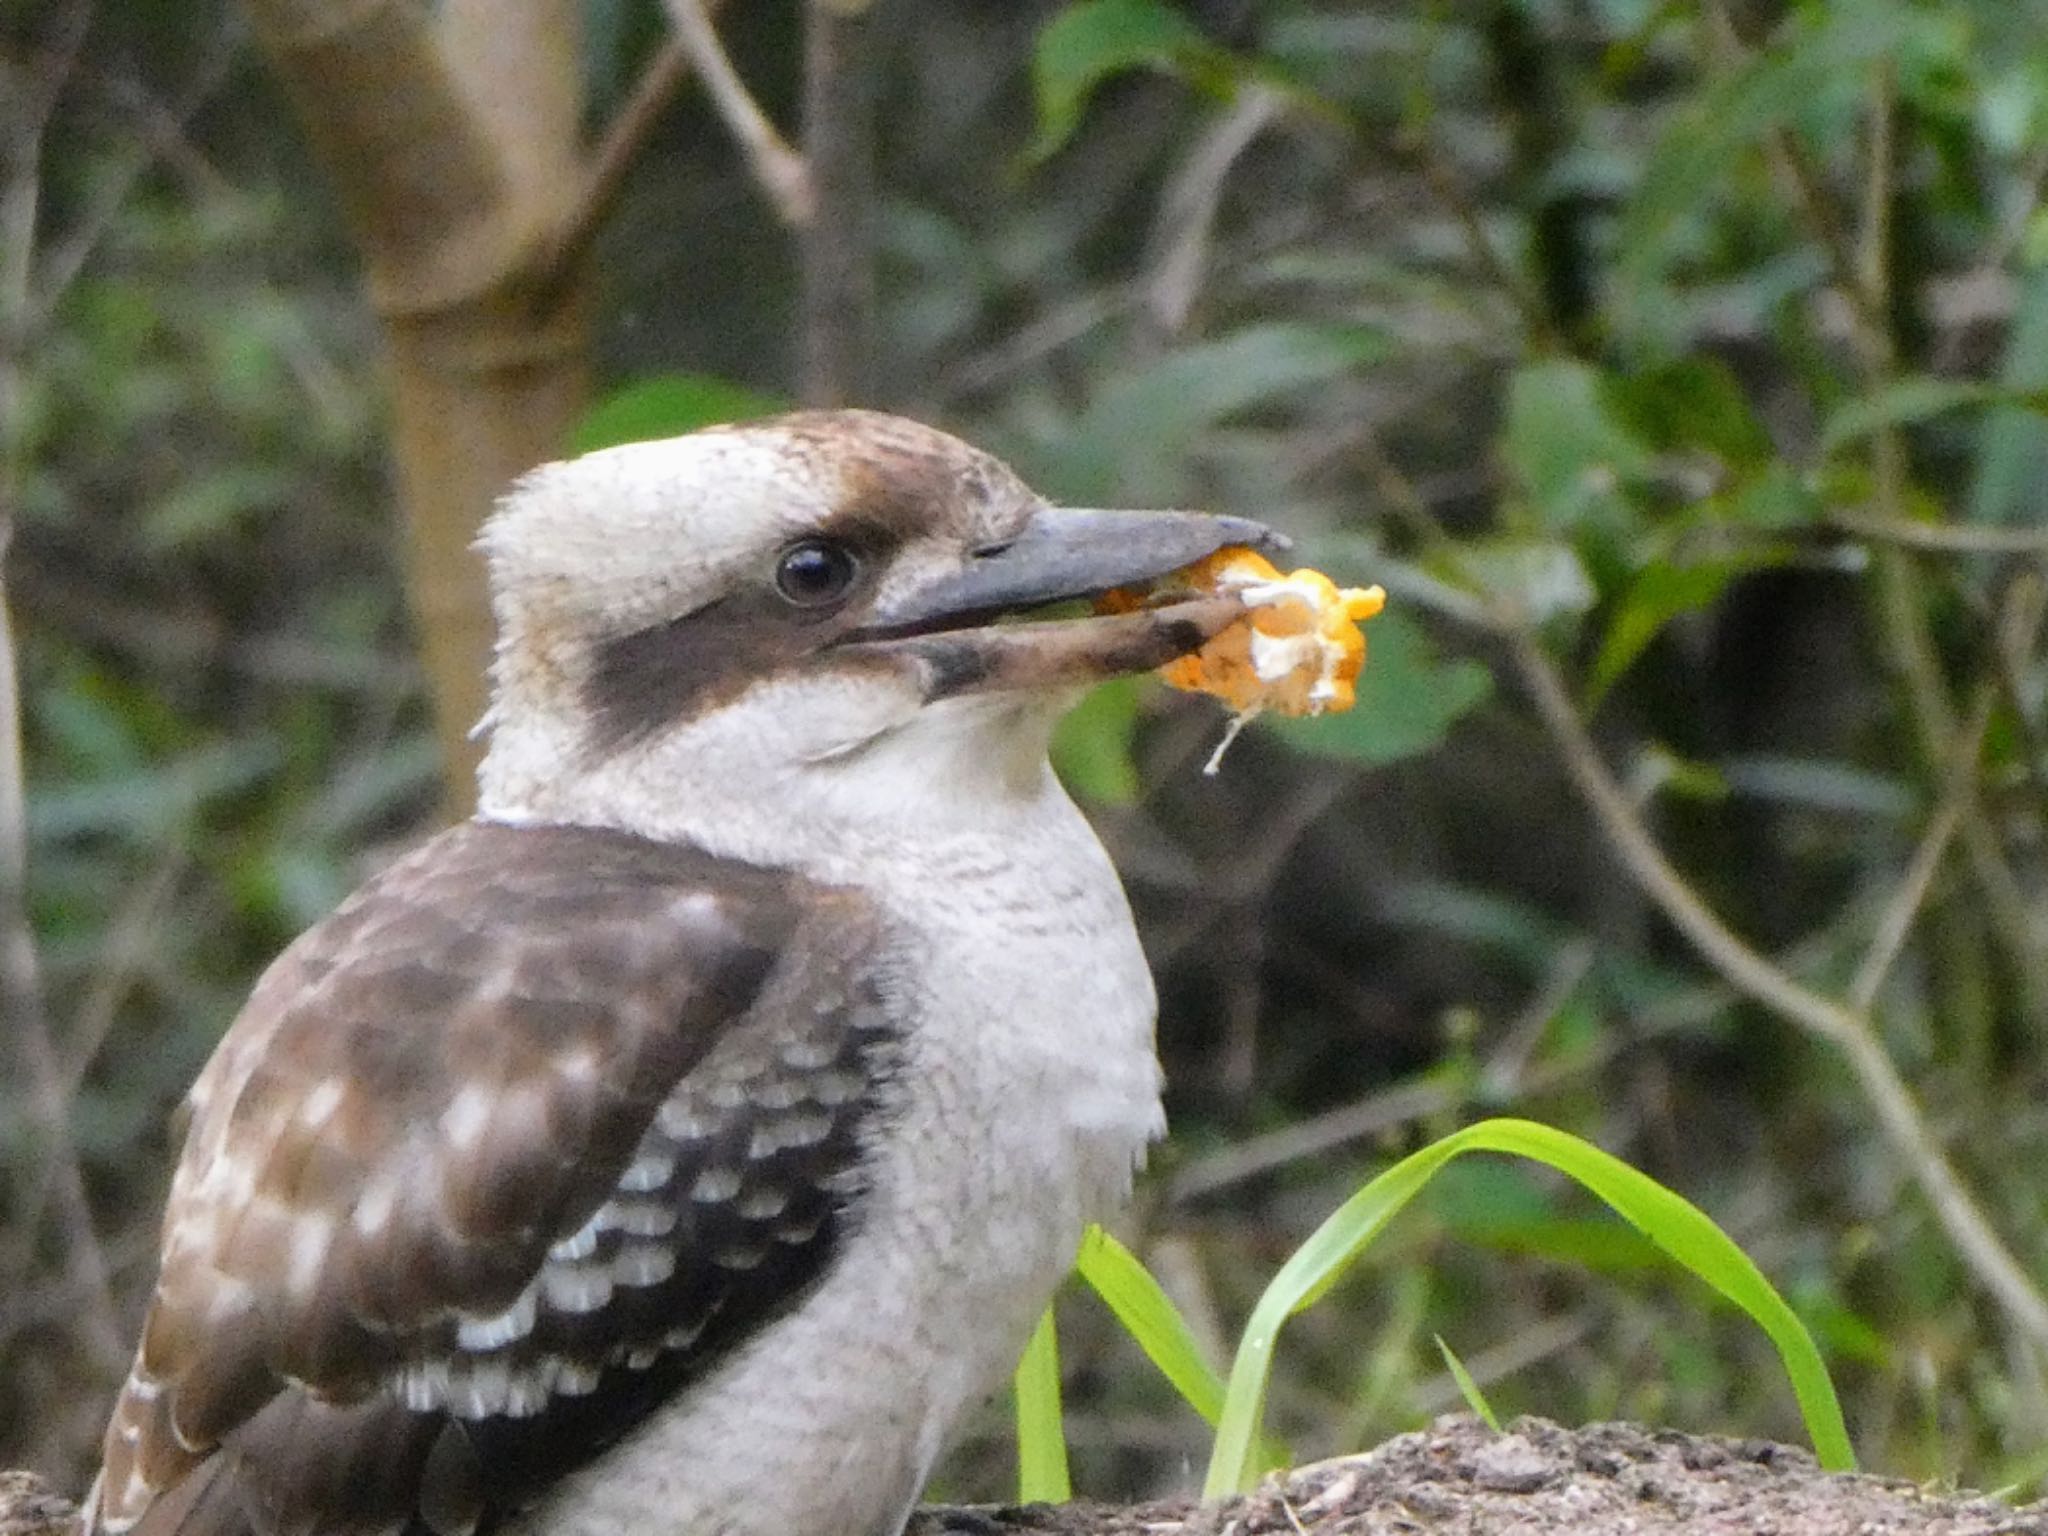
<point x="312" y="1236"/>
<point x="778" y="1093"/>
<point x="808" y="1053"/>
<point x="423" y="1385"/>
<point x="576" y="1287"/>
<point x="373" y="1212"/>
<point x="466" y="1116"/>
<point x="642" y="1218"/>
<point x="581" y="1243"/>
<point x="515" y="1322"/>
<point x="715" y="1186"/>
<point x="681" y="1121"/>
<point x="643" y="1264"/>
<point x="322" y="1102"/>
<point x="650" y="1170"/>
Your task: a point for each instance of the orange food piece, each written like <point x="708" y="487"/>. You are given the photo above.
<point x="1297" y="651"/>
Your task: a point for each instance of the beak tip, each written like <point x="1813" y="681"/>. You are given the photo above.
<point x="1252" y="535"/>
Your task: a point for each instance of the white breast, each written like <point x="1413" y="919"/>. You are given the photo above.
<point x="1030" y="1090"/>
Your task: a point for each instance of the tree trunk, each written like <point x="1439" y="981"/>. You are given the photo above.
<point x="452" y="138"/>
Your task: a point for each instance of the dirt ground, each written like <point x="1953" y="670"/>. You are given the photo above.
<point x="1457" y="1478"/>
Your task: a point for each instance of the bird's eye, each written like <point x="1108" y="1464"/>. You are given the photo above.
<point x="814" y="573"/>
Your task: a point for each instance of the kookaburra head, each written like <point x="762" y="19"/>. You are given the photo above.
<point x="684" y="1144"/>
<point x="803" y="615"/>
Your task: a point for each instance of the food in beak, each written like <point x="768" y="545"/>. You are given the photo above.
<point x="1297" y="650"/>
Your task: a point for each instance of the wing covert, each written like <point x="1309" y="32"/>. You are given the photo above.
<point x="471" y="1182"/>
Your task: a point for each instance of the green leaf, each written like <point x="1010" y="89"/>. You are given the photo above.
<point x="1674" y="1224"/>
<point x="1692" y="403"/>
<point x="1042" y="1476"/>
<point x="1467" y="1387"/>
<point x="1407" y="699"/>
<point x="1566" y="445"/>
<point x="1659" y="594"/>
<point x="1092" y="746"/>
<point x="2012" y="444"/>
<point x="1695" y="159"/>
<point x="1089" y="43"/>
<point x="1140" y="431"/>
<point x="217" y="504"/>
<point x="1916" y="399"/>
<point x="1778" y="498"/>
<point x="668" y="405"/>
<point x="1543" y="578"/>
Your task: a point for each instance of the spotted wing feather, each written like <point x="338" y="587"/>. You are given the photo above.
<point x="495" y="1161"/>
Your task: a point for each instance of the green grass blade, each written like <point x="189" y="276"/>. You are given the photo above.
<point x="1467" y="1387"/>
<point x="1674" y="1224"/>
<point x="1151" y="1319"/>
<point x="1155" y="1324"/>
<point x="1042" y="1476"/>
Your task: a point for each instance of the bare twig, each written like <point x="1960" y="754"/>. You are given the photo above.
<point x="838" y="241"/>
<point x="123" y="954"/>
<point x="1905" y="904"/>
<point x="1942" y="538"/>
<point x="659" y="81"/>
<point x="1403" y="1104"/>
<point x="778" y="169"/>
<point x="1443" y="181"/>
<point x="1187" y="211"/>
<point x="66" y="258"/>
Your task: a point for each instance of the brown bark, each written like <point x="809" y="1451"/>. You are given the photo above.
<point x="837" y="240"/>
<point x="452" y="139"/>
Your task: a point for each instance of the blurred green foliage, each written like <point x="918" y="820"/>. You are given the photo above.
<point x="1708" y="339"/>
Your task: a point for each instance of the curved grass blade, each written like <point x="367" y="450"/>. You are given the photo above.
<point x="1151" y="1319"/>
<point x="1673" y="1223"/>
<point x="1154" y="1323"/>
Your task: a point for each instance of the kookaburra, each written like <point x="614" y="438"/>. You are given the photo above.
<point x="684" y="1143"/>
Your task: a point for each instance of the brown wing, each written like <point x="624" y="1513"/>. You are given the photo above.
<point x="496" y="1159"/>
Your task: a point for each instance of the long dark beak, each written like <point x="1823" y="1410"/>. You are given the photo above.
<point x="1069" y="552"/>
<point x="947" y="626"/>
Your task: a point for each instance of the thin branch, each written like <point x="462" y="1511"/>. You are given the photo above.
<point x="1443" y="181"/>
<point x="1187" y="212"/>
<point x="616" y="152"/>
<point x="837" y="256"/>
<point x="67" y="258"/>
<point x="130" y="942"/>
<point x="1942" y="538"/>
<point x="778" y="169"/>
<point x="1904" y="907"/>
